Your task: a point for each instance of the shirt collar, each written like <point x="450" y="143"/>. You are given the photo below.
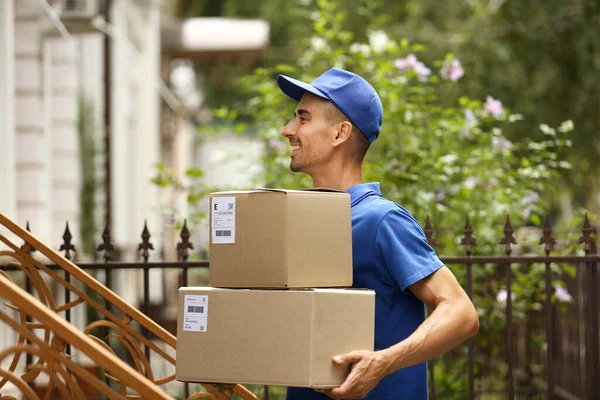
<point x="359" y="192"/>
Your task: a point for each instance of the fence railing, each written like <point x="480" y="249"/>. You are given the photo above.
<point x="552" y="351"/>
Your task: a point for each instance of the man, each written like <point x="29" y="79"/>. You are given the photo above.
<point x="338" y="116"/>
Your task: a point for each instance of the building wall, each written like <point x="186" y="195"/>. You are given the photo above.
<point x="42" y="76"/>
<point x="32" y="140"/>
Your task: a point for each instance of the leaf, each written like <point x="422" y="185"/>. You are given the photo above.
<point x="194" y="173"/>
<point x="565" y="164"/>
<point x="566" y="126"/>
<point x="547" y="130"/>
<point x="448" y="158"/>
<point x="220" y="112"/>
<point x="515" y="117"/>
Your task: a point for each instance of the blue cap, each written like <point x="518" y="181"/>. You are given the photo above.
<point x="352" y="94"/>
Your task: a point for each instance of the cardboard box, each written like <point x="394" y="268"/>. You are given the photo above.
<point x="271" y="337"/>
<point x="273" y="238"/>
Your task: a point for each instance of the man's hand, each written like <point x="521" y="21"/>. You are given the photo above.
<point x="368" y="368"/>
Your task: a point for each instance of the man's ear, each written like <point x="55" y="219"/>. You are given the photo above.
<point x="343" y="133"/>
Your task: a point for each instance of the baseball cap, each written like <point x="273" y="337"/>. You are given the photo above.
<point x="349" y="92"/>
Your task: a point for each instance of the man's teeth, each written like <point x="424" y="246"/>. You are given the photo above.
<point x="294" y="148"/>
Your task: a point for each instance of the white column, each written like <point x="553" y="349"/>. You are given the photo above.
<point x="121" y="150"/>
<point x="7" y="133"/>
<point x="148" y="134"/>
<point x="65" y="164"/>
<point x="7" y="109"/>
<point x="121" y="133"/>
<point x="32" y="124"/>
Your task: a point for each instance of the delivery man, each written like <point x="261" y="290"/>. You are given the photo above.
<point x="337" y="118"/>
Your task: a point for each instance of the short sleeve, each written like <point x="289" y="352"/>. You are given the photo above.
<point x="402" y="247"/>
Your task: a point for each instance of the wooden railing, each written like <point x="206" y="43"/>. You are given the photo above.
<point x="118" y="322"/>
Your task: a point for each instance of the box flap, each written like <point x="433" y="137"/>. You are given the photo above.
<point x="322" y="189"/>
<point x="306" y="190"/>
<point x="230" y="192"/>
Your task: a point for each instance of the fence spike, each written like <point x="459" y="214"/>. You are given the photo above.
<point x="26" y="246"/>
<point x="588" y="241"/>
<point x="183" y="247"/>
<point x="508" y="236"/>
<point x="468" y="241"/>
<point x="145" y="246"/>
<point x="547" y="239"/>
<point x="67" y="246"/>
<point x="106" y="244"/>
<point x="429" y="232"/>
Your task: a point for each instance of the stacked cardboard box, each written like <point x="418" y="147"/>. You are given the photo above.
<point x="275" y="313"/>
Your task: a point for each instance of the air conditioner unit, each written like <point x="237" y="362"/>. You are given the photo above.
<point x="77" y="15"/>
<point x="79" y="9"/>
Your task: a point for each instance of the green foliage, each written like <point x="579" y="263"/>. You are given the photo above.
<point x="540" y="56"/>
<point x="431" y="158"/>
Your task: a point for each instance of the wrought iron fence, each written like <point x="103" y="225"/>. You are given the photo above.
<point x="564" y="364"/>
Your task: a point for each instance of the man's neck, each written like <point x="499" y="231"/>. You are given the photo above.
<point x="339" y="181"/>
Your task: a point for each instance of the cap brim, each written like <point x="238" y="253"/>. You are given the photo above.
<point x="295" y="89"/>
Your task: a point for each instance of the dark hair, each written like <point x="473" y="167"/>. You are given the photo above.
<point x="334" y="115"/>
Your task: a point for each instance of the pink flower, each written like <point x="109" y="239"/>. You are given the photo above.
<point x="277" y="145"/>
<point x="562" y="294"/>
<point x="501" y="143"/>
<point x="531" y="198"/>
<point x="493" y="106"/>
<point x="470" y="117"/>
<point x="471" y="182"/>
<point x="502" y="296"/>
<point x="410" y="63"/>
<point x="452" y="70"/>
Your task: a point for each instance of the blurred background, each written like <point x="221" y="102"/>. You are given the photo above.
<point x="119" y="113"/>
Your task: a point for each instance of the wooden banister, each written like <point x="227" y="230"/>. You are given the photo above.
<point x="79" y="285"/>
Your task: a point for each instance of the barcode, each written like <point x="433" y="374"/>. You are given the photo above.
<point x="223" y="233"/>
<point x="196" y="309"/>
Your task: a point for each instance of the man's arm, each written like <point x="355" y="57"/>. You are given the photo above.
<point x="453" y="320"/>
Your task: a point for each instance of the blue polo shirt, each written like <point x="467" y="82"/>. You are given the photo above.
<point x="390" y="253"/>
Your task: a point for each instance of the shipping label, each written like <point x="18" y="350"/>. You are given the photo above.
<point x="223" y="220"/>
<point x="195" y="313"/>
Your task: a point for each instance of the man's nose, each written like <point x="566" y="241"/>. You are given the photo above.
<point x="289" y="129"/>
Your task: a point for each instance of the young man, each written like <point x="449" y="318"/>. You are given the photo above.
<point x="338" y="116"/>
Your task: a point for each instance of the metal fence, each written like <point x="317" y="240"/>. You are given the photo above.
<point x="553" y="354"/>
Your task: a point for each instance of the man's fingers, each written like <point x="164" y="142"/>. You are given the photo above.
<point x="326" y="392"/>
<point x="346" y="389"/>
<point x="347" y="358"/>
